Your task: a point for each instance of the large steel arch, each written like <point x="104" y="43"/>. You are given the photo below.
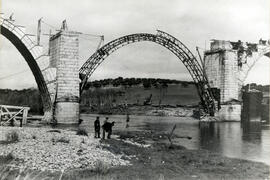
<point x="165" y="40"/>
<point x="26" y="47"/>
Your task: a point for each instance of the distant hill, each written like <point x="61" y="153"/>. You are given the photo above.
<point x="109" y="93"/>
<point x="112" y="92"/>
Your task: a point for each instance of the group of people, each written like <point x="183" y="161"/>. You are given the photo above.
<point x="106" y="127"/>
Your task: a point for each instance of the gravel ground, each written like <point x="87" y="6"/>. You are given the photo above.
<point x="39" y="149"/>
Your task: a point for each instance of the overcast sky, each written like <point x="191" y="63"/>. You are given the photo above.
<point x="193" y="22"/>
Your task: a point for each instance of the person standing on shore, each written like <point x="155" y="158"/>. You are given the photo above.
<point x="103" y="130"/>
<point x="127" y="120"/>
<point x="107" y="127"/>
<point x="97" y="127"/>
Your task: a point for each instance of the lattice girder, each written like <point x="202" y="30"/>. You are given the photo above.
<point x="165" y="40"/>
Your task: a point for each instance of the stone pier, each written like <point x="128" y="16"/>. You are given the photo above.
<point x="64" y="56"/>
<point x="222" y="70"/>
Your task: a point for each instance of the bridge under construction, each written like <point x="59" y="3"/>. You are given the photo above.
<point x="218" y="76"/>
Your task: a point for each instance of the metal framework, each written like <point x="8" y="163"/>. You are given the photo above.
<point x="25" y="45"/>
<point x="166" y="40"/>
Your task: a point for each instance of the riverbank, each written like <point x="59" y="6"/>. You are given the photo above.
<point x="167" y="161"/>
<point x="54" y="150"/>
<point x="129" y="155"/>
<point x="147" y="110"/>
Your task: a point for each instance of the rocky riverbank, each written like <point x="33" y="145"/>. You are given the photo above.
<point x="129" y="155"/>
<point x="55" y="150"/>
<point x="147" y="110"/>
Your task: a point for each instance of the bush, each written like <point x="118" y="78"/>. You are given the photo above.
<point x="54" y="130"/>
<point x="101" y="167"/>
<point x="82" y="132"/>
<point x="7" y="158"/>
<point x="63" y="140"/>
<point x="12" y="136"/>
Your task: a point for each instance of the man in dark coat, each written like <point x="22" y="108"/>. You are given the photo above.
<point x="97" y="128"/>
<point x="107" y="127"/>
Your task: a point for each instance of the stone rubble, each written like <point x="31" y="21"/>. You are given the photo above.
<point x="41" y="150"/>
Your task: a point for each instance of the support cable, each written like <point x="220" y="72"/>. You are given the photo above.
<point x="15" y="74"/>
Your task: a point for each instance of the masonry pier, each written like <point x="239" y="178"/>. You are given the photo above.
<point x="64" y="56"/>
<point x="221" y="67"/>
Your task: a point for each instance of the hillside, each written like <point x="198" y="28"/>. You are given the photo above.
<point x="173" y="94"/>
<point x="105" y="94"/>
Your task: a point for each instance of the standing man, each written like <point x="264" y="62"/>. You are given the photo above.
<point x="107" y="127"/>
<point x="104" y="127"/>
<point x="97" y="127"/>
<point x="127" y="120"/>
<point x="106" y="120"/>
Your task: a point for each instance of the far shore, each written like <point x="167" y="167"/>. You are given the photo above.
<point x="147" y="110"/>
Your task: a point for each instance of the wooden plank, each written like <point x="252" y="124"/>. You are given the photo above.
<point x="14" y="107"/>
<point x="10" y="113"/>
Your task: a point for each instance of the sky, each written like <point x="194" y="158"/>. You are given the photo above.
<point x="194" y="22"/>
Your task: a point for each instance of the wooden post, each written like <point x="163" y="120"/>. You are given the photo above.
<point x="25" y="113"/>
<point x="0" y="115"/>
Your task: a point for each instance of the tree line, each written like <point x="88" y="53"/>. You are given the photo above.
<point x="258" y="87"/>
<point x="31" y="97"/>
<point x="26" y="97"/>
<point x="129" y="82"/>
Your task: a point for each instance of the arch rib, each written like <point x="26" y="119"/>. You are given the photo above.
<point x="166" y="40"/>
<point x="22" y="42"/>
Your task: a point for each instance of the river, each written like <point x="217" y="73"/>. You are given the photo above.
<point x="249" y="141"/>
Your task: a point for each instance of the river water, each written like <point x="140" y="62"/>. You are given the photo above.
<point x="249" y="141"/>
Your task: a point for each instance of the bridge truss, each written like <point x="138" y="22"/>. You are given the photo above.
<point x="166" y="40"/>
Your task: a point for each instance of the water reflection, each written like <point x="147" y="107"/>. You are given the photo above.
<point x="252" y="131"/>
<point x="209" y="136"/>
<point x="246" y="140"/>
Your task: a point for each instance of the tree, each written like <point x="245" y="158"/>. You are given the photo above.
<point x="146" y="84"/>
<point x="184" y="84"/>
<point x="97" y="84"/>
<point x="162" y="91"/>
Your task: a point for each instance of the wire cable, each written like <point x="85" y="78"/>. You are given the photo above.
<point x="51" y="26"/>
<point x="15" y="74"/>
